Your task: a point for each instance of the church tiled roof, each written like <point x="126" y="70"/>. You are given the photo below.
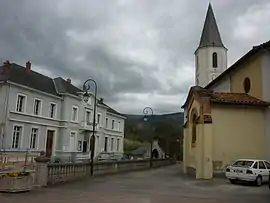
<point x="236" y="98"/>
<point x="225" y="97"/>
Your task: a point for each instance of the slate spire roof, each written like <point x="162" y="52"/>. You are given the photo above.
<point x="210" y="34"/>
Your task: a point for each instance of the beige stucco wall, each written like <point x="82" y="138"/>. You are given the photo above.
<point x="251" y="69"/>
<point x="207" y="168"/>
<point x="238" y="132"/>
<point x="192" y="150"/>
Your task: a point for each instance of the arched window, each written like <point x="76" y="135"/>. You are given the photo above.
<point x="214" y="60"/>
<point x="194" y="134"/>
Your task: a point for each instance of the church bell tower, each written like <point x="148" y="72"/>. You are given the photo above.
<point x="211" y="54"/>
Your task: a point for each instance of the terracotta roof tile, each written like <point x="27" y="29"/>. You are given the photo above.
<point x="236" y="98"/>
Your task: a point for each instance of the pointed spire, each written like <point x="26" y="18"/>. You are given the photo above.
<point x="210" y="34"/>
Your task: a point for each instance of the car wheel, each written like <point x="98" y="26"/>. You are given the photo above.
<point x="258" y="181"/>
<point x="232" y="181"/>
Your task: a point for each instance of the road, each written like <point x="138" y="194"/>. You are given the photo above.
<point x="163" y="185"/>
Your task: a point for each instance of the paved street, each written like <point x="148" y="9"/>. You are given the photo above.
<point x="166" y="185"/>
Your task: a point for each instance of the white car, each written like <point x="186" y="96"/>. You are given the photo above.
<point x="256" y="171"/>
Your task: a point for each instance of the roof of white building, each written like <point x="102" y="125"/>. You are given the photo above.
<point x="56" y="86"/>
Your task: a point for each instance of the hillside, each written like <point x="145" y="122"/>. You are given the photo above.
<point x="167" y="127"/>
<point x="174" y="117"/>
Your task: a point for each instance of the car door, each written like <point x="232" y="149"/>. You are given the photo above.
<point x="263" y="171"/>
<point x="268" y="167"/>
<point x="255" y="167"/>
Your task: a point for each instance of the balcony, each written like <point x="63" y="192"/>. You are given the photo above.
<point x="86" y="125"/>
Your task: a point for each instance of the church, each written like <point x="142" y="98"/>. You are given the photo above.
<point x="227" y="112"/>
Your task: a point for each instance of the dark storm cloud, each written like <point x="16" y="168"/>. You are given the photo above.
<point x="139" y="52"/>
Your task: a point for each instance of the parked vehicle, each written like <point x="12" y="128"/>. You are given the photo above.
<point x="269" y="181"/>
<point x="256" y="171"/>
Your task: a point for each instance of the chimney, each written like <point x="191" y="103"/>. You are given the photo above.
<point x="69" y="80"/>
<point x="101" y="100"/>
<point x="6" y="67"/>
<point x="28" y="66"/>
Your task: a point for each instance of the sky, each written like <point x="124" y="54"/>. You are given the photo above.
<point x="140" y="52"/>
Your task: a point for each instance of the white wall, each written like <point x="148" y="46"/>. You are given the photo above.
<point x="62" y="124"/>
<point x="27" y="119"/>
<point x="204" y="70"/>
<point x="102" y="130"/>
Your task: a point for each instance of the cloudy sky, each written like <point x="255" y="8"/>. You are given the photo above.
<point x="140" y="52"/>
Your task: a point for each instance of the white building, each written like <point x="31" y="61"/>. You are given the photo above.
<point x="39" y="113"/>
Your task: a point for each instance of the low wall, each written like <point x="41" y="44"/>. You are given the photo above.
<point x="57" y="173"/>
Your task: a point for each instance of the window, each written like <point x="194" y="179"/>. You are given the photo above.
<point x="112" y="124"/>
<point x="88" y="115"/>
<point x="74" y="113"/>
<point x="79" y="147"/>
<point x="255" y="166"/>
<point x="20" y="103"/>
<point x="247" y="85"/>
<point x="106" y="124"/>
<point x="106" y="144"/>
<point x="33" y="138"/>
<point x="261" y="165"/>
<point x="17" y="133"/>
<point x="89" y="102"/>
<point x="98" y="118"/>
<point x="194" y="135"/>
<point x="242" y="163"/>
<point x="72" y="141"/>
<point x="52" y="110"/>
<point x="117" y="144"/>
<point x="85" y="145"/>
<point x="119" y="125"/>
<point x="197" y="63"/>
<point x="215" y="60"/>
<point x="112" y="143"/>
<point x="267" y="165"/>
<point x="37" y="106"/>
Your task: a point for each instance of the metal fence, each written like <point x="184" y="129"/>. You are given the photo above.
<point x="17" y="161"/>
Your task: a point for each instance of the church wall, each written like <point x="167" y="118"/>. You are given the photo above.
<point x="191" y="151"/>
<point x="205" y="71"/>
<point x="224" y="86"/>
<point x="266" y="95"/>
<point x="199" y="150"/>
<point x="252" y="70"/>
<point x="207" y="154"/>
<point x="238" y="132"/>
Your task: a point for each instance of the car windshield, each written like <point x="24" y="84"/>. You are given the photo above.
<point x="243" y="163"/>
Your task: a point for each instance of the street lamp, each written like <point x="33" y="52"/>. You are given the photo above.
<point x="148" y="111"/>
<point x="86" y="95"/>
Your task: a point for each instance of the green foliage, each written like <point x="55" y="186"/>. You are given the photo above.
<point x="167" y="128"/>
<point x="130" y="145"/>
